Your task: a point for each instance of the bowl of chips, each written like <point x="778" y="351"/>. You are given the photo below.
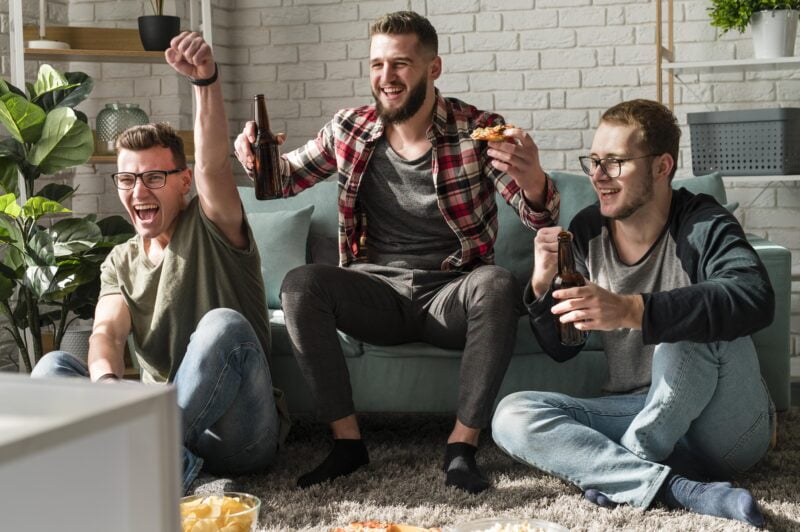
<point x="226" y="512"/>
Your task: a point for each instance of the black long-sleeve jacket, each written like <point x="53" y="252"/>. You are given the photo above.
<point x="701" y="282"/>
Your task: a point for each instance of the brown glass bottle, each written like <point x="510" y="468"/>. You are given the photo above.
<point x="567" y="277"/>
<point x="267" y="168"/>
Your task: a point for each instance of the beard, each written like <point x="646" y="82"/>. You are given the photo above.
<point x="642" y="195"/>
<point x="416" y="97"/>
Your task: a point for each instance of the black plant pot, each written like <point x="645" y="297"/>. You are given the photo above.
<point x="156" y="31"/>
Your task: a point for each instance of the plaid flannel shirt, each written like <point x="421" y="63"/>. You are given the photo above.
<point x="463" y="175"/>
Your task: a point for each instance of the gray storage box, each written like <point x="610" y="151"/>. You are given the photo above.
<point x="748" y="142"/>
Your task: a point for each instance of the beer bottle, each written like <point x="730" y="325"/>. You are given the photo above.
<point x="265" y="152"/>
<point x="567" y="277"/>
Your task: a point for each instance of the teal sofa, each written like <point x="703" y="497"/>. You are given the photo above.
<point x="418" y="377"/>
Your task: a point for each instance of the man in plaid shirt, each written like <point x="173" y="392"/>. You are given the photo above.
<point x="417" y="226"/>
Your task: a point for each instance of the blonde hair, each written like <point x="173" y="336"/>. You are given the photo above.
<point x="658" y="128"/>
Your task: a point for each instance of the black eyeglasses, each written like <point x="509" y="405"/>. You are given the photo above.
<point x="611" y="166"/>
<point x="150" y="179"/>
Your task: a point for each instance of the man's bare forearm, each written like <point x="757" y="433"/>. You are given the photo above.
<point x="212" y="159"/>
<point x="105" y="356"/>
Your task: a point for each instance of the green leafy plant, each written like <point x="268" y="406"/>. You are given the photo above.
<point x="49" y="262"/>
<point x="735" y="14"/>
<point x="158" y="7"/>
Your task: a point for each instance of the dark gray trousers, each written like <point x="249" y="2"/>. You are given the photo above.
<point x="475" y="311"/>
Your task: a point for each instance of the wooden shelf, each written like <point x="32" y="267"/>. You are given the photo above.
<point x="102" y="159"/>
<point x="131" y="374"/>
<point x="760" y="178"/>
<point x="732" y="65"/>
<point x="107" y="45"/>
<point x="117" y="45"/>
<point x="112" y="159"/>
<point x="94" y="56"/>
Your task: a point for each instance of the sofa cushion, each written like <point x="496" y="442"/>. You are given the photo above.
<point x="577" y="193"/>
<point x="514" y="245"/>
<point x="524" y="344"/>
<point x="281" y="240"/>
<point x="324" y="220"/>
<point x="710" y="184"/>
<point x="282" y="345"/>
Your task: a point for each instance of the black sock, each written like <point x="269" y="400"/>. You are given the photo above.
<point x="599" y="498"/>
<point x="345" y="457"/>
<point x="462" y="471"/>
<point x="719" y="499"/>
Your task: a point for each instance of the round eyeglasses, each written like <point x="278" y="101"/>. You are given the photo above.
<point x="610" y="166"/>
<point x="150" y="179"/>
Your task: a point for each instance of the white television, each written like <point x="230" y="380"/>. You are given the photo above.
<point x="84" y="457"/>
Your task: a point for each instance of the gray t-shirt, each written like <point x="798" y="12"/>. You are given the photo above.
<point x="405" y="228"/>
<point x="629" y="359"/>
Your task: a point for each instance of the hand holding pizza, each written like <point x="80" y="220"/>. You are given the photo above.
<point x="518" y="156"/>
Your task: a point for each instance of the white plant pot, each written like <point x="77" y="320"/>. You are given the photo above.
<point x="76" y="341"/>
<point x="774" y="33"/>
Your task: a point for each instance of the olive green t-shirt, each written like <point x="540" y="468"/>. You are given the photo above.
<point x="200" y="271"/>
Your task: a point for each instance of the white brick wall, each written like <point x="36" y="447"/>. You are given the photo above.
<point x="550" y="66"/>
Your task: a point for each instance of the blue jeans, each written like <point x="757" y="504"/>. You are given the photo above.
<point x="707" y="411"/>
<point x="224" y="389"/>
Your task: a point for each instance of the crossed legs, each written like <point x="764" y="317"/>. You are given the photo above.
<point x="706" y="402"/>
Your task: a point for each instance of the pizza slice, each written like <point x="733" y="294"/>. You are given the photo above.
<point x="492" y="133"/>
<point x="376" y="526"/>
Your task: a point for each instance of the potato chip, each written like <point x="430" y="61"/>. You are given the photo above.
<point x="377" y="526"/>
<point x="217" y="513"/>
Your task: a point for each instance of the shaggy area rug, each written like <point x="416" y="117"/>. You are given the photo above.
<point x="404" y="484"/>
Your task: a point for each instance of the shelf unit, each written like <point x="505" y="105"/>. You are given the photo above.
<point x="97" y="45"/>
<point x="88" y="44"/>
<point x="665" y="58"/>
<point x="665" y="62"/>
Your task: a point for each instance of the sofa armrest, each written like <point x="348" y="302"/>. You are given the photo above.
<point x="772" y="343"/>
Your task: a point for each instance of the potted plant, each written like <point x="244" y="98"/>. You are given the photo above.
<point x="774" y="23"/>
<point x="49" y="262"/>
<point x="157" y="30"/>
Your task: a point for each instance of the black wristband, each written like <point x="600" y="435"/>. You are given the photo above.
<point x="107" y="377"/>
<point x="207" y="81"/>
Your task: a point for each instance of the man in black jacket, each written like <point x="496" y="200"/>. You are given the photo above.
<point x="674" y="291"/>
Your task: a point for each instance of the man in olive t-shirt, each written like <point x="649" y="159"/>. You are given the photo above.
<point x="188" y="288"/>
